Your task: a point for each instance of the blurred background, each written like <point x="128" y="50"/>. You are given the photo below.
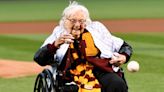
<point x="25" y="24"/>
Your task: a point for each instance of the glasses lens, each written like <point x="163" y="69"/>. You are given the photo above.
<point x="73" y="21"/>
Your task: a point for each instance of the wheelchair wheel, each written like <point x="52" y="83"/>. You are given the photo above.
<point x="44" y="82"/>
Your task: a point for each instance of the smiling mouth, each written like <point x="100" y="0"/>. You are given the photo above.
<point x="76" y="28"/>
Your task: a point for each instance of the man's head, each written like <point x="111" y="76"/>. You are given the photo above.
<point x="75" y="18"/>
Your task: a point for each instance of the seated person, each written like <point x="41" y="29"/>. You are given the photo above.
<point x="86" y="52"/>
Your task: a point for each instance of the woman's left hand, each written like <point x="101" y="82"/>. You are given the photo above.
<point x="118" y="59"/>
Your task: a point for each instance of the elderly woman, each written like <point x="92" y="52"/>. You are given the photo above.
<point x="86" y="52"/>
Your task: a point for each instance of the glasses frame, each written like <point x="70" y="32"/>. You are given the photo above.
<point x="73" y="21"/>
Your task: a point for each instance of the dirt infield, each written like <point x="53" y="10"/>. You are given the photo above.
<point x="144" y="25"/>
<point x="10" y="68"/>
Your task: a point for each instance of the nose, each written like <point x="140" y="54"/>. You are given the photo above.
<point x="77" y="23"/>
<point x="77" y="26"/>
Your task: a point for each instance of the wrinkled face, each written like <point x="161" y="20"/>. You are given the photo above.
<point x="75" y="23"/>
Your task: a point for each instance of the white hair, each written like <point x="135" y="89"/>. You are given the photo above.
<point x="73" y="7"/>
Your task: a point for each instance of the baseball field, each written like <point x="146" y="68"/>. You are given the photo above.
<point x="25" y="24"/>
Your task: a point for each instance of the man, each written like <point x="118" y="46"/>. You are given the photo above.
<point x="86" y="52"/>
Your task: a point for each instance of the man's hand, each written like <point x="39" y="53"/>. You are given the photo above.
<point x="118" y="59"/>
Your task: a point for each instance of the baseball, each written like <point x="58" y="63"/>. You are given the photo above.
<point x="133" y="66"/>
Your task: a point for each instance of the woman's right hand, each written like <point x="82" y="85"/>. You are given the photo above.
<point x="64" y="38"/>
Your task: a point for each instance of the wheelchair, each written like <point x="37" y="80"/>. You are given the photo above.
<point x="50" y="80"/>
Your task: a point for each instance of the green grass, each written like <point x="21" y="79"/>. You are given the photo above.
<point x="25" y="84"/>
<point x="46" y="10"/>
<point x="148" y="47"/>
<point x="148" y="51"/>
<point x="20" y="47"/>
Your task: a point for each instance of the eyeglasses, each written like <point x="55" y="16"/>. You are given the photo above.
<point x="73" y="21"/>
